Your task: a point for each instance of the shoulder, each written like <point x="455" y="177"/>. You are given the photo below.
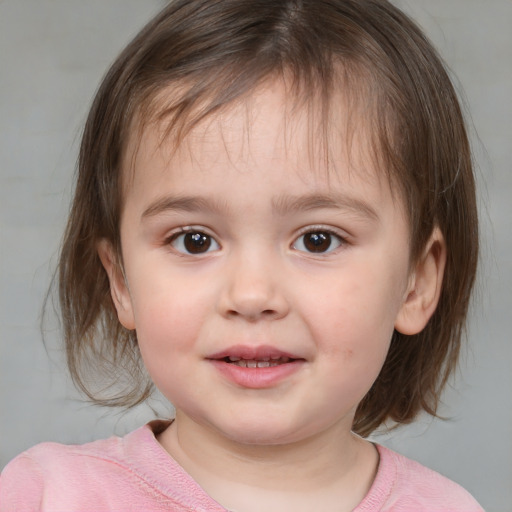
<point x="50" y="468"/>
<point x="55" y="458"/>
<point x="121" y="473"/>
<point x="403" y="485"/>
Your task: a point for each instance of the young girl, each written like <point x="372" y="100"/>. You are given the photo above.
<point x="274" y="222"/>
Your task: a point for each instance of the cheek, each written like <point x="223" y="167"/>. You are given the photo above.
<point x="354" y="319"/>
<point x="165" y="337"/>
<point x="167" y="301"/>
<point x="165" y="323"/>
<point x="166" y="326"/>
<point x="354" y="348"/>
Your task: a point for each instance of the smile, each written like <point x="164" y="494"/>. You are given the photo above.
<point x="254" y="363"/>
<point x="256" y="367"/>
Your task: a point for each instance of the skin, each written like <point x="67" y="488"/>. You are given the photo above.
<point x="248" y="183"/>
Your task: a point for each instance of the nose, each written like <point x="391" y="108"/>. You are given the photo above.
<point x="254" y="289"/>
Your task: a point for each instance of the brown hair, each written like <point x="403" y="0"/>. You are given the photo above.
<point x="215" y="52"/>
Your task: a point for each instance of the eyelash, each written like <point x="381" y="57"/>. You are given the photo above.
<point x="204" y="238"/>
<point x="178" y="241"/>
<point x="332" y="236"/>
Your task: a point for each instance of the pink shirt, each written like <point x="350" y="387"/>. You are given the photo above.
<point x="134" y="473"/>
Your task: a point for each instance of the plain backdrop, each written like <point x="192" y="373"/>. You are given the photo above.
<point x="52" y="56"/>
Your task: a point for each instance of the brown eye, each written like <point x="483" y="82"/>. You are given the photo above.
<point x="194" y="242"/>
<point x="317" y="242"/>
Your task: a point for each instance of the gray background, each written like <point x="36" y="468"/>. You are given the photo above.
<point x="52" y="55"/>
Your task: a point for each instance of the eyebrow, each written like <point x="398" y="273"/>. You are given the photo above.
<point x="282" y="205"/>
<point x="182" y="203"/>
<point x="292" y="204"/>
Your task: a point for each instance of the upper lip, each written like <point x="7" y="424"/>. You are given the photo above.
<point x="253" y="353"/>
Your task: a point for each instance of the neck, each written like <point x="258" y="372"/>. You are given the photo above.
<point x="333" y="464"/>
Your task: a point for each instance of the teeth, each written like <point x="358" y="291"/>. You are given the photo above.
<point x="263" y="363"/>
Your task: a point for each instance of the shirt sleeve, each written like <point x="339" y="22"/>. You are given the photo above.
<point x="21" y="486"/>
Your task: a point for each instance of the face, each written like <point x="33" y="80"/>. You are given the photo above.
<point x="264" y="289"/>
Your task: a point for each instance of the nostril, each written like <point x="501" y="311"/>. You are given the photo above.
<point x="252" y="315"/>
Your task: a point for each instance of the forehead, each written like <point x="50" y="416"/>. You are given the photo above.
<point x="316" y="138"/>
<point x="264" y="158"/>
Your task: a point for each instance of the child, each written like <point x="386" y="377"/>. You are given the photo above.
<point x="275" y="213"/>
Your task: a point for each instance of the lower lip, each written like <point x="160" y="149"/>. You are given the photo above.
<point x="256" y="378"/>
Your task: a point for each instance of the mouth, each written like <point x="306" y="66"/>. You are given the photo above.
<point x="260" y="367"/>
<point x="256" y="367"/>
<point x="265" y="362"/>
<point x="262" y="356"/>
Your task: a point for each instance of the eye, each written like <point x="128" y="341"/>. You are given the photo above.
<point x="318" y="242"/>
<point x="193" y="242"/>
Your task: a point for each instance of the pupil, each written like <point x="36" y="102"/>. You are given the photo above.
<point x="317" y="242"/>
<point x="197" y="243"/>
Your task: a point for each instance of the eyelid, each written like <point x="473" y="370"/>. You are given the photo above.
<point x="189" y="228"/>
<point x="341" y="235"/>
<point x="184" y="230"/>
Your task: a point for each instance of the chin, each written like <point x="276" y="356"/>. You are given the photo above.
<point x="263" y="433"/>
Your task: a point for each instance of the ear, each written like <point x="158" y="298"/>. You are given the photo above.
<point x="118" y="285"/>
<point x="424" y="289"/>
